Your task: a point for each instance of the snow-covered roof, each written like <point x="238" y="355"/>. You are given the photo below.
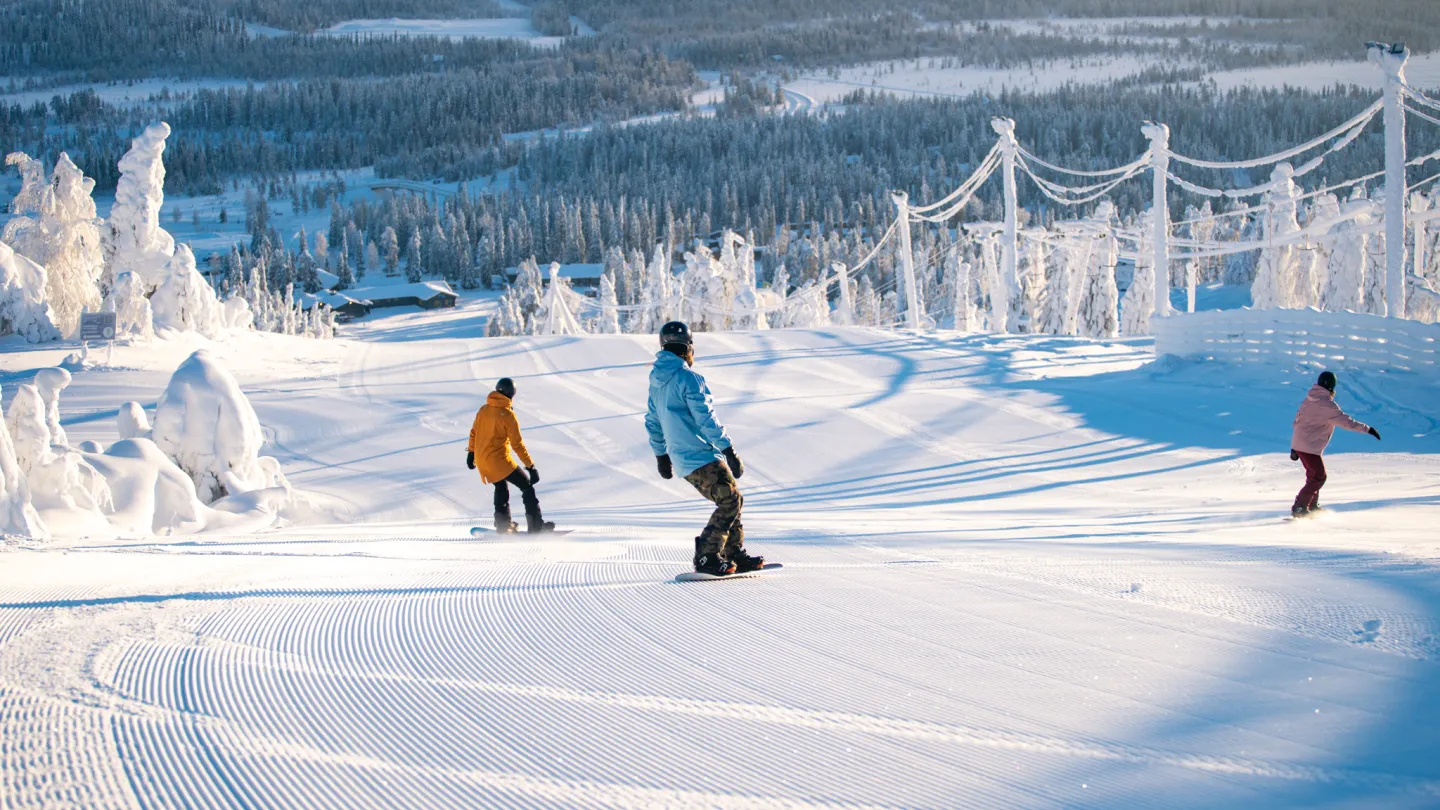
<point x="331" y="299"/>
<point x="588" y="272"/>
<point x="424" y="290"/>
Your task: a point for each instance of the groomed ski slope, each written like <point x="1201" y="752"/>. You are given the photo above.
<point x="1019" y="572"/>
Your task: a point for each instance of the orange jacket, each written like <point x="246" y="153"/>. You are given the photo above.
<point x="493" y="435"/>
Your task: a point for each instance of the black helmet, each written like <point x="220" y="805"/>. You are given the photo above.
<point x="506" y="386"/>
<point x="1327" y="381"/>
<point x="675" y="332"/>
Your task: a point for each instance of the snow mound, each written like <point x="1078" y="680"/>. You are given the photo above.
<point x="23" y="307"/>
<point x="205" y="423"/>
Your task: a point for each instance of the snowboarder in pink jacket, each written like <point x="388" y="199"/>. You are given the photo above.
<point x="1315" y="423"/>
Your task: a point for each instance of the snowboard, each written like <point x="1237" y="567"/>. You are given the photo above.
<point x="695" y="576"/>
<point x="481" y="531"/>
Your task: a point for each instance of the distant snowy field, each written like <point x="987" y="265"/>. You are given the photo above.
<point x="1029" y="572"/>
<point x="501" y="28"/>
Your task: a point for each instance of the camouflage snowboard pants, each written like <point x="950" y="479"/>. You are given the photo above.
<point x="724" y="533"/>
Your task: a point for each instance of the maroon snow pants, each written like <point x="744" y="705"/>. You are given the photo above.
<point x="1309" y="496"/>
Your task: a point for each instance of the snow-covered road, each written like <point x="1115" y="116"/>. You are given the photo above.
<point x="1018" y="572"/>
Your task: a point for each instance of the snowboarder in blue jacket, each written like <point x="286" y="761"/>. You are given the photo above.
<point x="686" y="437"/>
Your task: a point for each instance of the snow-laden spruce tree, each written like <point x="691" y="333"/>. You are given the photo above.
<point x="131" y="421"/>
<point x="1375" y="270"/>
<point x="609" y="321"/>
<point x="132" y="239"/>
<point x="557" y="312"/>
<point x="185" y="301"/>
<point x="966" y="317"/>
<point x="206" y="425"/>
<point x="24" y="309"/>
<point x="1274" y="285"/>
<point x="1345" y="273"/>
<point x="656" y="294"/>
<point x="18" y="517"/>
<point x="134" y="319"/>
<point x="1031" y="301"/>
<point x="1138" y="306"/>
<point x="1097" y="316"/>
<point x="55" y="226"/>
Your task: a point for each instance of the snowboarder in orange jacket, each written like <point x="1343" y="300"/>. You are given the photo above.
<point x="494" y="435"/>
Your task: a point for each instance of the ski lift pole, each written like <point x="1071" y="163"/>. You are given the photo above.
<point x="1391" y="61"/>
<point x="1159" y="136"/>
<point x="907" y="260"/>
<point x="1009" y="240"/>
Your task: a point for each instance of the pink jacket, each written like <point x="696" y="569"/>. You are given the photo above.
<point x="1317" y="419"/>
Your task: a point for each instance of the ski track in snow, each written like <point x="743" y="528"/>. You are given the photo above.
<point x="989" y="599"/>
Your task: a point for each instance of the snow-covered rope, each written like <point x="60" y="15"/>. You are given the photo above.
<point x="1305" y="168"/>
<point x="982" y="173"/>
<point x="1055" y="191"/>
<point x="1296" y="237"/>
<point x="1423" y="182"/>
<point x="949" y="213"/>
<point x="1415" y="112"/>
<point x="1359" y="121"/>
<point x="1143" y="160"/>
<point x="875" y="251"/>
<point x="1419" y="96"/>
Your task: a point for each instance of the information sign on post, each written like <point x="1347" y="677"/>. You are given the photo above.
<point x="97" y="326"/>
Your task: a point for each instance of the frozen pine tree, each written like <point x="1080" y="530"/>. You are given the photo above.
<point x="609" y="323"/>
<point x="1345" y="271"/>
<point x="55" y="225"/>
<point x="1138" y="305"/>
<point x="1374" y="286"/>
<point x="185" y="301"/>
<point x="414" y="273"/>
<point x="23" y="308"/>
<point x="134" y="318"/>
<point x="390" y="247"/>
<point x="18" y="517"/>
<point x="132" y="240"/>
<point x="1097" y="315"/>
<point x="1275" y="274"/>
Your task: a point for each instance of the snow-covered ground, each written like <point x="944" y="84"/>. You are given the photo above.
<point x="1019" y="572"/>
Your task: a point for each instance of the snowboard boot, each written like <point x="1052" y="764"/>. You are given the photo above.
<point x="744" y="561"/>
<point x="535" y="524"/>
<point x="504" y="525"/>
<point x="1300" y="512"/>
<point x="713" y="564"/>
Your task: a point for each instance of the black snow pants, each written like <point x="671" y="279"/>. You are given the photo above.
<point x="527" y="497"/>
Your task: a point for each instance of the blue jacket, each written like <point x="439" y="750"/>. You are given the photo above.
<point x="681" y="416"/>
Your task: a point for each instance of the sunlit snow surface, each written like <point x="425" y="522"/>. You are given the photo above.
<point x="1019" y="572"/>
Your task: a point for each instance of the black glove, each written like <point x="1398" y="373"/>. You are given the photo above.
<point x="1375" y="433"/>
<point x="534" y="475"/>
<point x="736" y="468"/>
<point x="470" y="459"/>
<point x="1294" y="454"/>
<point x="663" y="463"/>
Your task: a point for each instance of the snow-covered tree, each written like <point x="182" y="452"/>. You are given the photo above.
<point x="609" y="322"/>
<point x="557" y="312"/>
<point x="1275" y="274"/>
<point x="55" y="225"/>
<point x="1138" y="305"/>
<point x="133" y="316"/>
<point x="58" y="476"/>
<point x="132" y="239"/>
<point x="205" y="424"/>
<point x="18" y="517"/>
<point x="185" y="301"/>
<point x="1097" y="315"/>
<point x="1345" y="273"/>
<point x="390" y="248"/>
<point x="24" y="309"/>
<point x="414" y="273"/>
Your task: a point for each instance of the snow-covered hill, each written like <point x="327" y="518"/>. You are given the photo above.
<point x="1020" y="572"/>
